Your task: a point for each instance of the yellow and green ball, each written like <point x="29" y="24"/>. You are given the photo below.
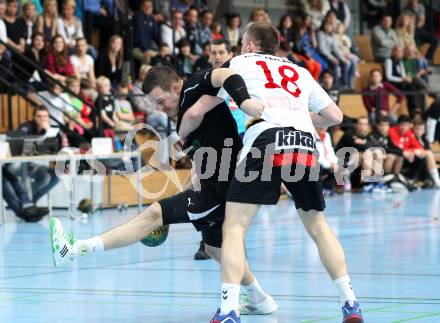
<point x="157" y="237"/>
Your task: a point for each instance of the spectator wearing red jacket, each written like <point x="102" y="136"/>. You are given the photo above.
<point x="414" y="153"/>
<point x="376" y="97"/>
<point x="58" y="62"/>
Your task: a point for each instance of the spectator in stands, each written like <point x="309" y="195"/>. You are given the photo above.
<point x="146" y="33"/>
<point x="329" y="49"/>
<point x="204" y="27"/>
<point x="173" y="31"/>
<point x="186" y="59"/>
<point x="333" y="19"/>
<point x="123" y="115"/>
<point x="105" y="103"/>
<point x="110" y="60"/>
<point x="383" y="39"/>
<point x="432" y="122"/>
<point x="232" y="31"/>
<point x="417" y="9"/>
<point x="308" y="40"/>
<point x="3" y="33"/>
<point x="415" y="155"/>
<point x="15" y="28"/>
<point x="358" y="139"/>
<point x="422" y="173"/>
<point x="379" y="137"/>
<point x="216" y="30"/>
<point x="376" y="97"/>
<point x="16" y="195"/>
<point x="58" y="62"/>
<point x="55" y="104"/>
<point x="405" y="29"/>
<point x="99" y="13"/>
<point x="35" y="53"/>
<point x="47" y="21"/>
<point x="285" y="29"/>
<point x="164" y="58"/>
<point x="416" y="66"/>
<point x="83" y="62"/>
<point x="192" y="31"/>
<point x="6" y="70"/>
<point x="285" y="51"/>
<point x="395" y="74"/>
<point x="29" y="20"/>
<point x="258" y="15"/>
<point x="43" y="177"/>
<point x="299" y="52"/>
<point x="317" y="9"/>
<point x="342" y="12"/>
<point x="78" y="112"/>
<point x="328" y="162"/>
<point x="68" y="25"/>
<point x="328" y="84"/>
<point x="202" y="63"/>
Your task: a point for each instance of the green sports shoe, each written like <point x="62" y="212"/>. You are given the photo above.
<point x="62" y="243"/>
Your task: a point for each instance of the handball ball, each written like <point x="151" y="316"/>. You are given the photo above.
<point x="157" y="237"/>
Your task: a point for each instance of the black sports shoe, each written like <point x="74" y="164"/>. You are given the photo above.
<point x="33" y="213"/>
<point x="201" y="253"/>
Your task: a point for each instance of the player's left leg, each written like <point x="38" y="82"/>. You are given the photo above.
<point x="66" y="247"/>
<point x="333" y="258"/>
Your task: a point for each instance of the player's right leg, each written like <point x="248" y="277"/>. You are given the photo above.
<point x="65" y="246"/>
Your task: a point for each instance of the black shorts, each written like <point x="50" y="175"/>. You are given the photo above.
<point x="286" y="156"/>
<point x="205" y="209"/>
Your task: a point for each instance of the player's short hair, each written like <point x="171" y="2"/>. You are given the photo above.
<point x="222" y="41"/>
<point x="159" y="76"/>
<point x="265" y="36"/>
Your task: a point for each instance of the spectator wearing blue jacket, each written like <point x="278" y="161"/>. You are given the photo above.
<point x="146" y="33"/>
<point x="96" y="14"/>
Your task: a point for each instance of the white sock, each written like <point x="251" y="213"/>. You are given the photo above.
<point x="435" y="177"/>
<point x="230" y="298"/>
<point x="87" y="246"/>
<point x="345" y="290"/>
<point x="255" y="293"/>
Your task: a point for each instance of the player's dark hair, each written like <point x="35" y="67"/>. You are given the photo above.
<point x="159" y="76"/>
<point x="222" y="41"/>
<point x="265" y="36"/>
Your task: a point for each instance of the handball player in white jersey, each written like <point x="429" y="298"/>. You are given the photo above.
<point x="279" y="148"/>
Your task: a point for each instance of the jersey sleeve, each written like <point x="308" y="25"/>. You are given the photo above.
<point x="318" y="98"/>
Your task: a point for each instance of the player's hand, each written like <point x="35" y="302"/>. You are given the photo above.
<point x="252" y="107"/>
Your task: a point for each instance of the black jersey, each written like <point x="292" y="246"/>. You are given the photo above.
<point x="217" y="126"/>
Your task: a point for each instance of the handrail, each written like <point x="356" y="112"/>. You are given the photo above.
<point x="33" y="104"/>
<point x="42" y="71"/>
<point x="44" y="99"/>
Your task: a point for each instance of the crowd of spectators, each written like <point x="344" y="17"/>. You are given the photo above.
<point x="58" y="36"/>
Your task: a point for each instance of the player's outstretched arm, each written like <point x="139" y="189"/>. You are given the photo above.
<point x="236" y="88"/>
<point x="193" y="117"/>
<point x="327" y="117"/>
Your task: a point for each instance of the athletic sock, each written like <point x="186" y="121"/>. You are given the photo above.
<point x="230" y="298"/>
<point x="345" y="290"/>
<point x="87" y="246"/>
<point x="255" y="293"/>
<point x="435" y="177"/>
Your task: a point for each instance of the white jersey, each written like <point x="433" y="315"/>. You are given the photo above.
<point x="287" y="90"/>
